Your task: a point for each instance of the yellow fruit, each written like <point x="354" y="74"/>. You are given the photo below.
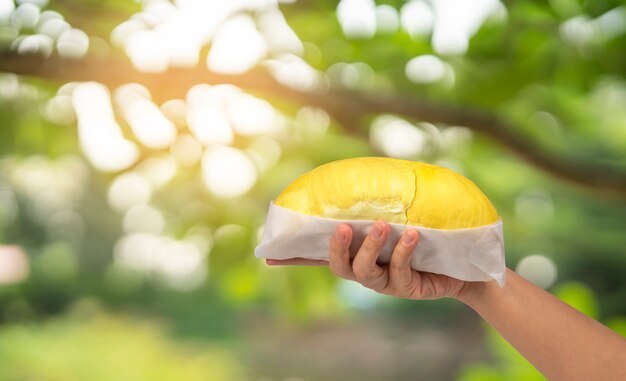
<point x="394" y="190"/>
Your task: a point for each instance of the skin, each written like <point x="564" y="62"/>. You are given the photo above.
<point x="561" y="342"/>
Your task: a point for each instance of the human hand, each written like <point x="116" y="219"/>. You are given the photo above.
<point x="397" y="278"/>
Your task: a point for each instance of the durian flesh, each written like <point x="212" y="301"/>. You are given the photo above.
<point x="394" y="190"/>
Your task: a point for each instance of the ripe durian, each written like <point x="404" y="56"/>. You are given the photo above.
<point x="394" y="190"/>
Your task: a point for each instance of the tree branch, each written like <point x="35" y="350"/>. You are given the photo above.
<point x="348" y="108"/>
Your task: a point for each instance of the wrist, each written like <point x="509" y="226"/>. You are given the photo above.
<point x="467" y="292"/>
<point x="472" y="292"/>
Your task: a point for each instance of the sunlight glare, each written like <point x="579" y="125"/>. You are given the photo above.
<point x="265" y="152"/>
<point x="312" y="122"/>
<point x="25" y="16"/>
<point x="538" y="269"/>
<point x="145" y="118"/>
<point x="143" y="219"/>
<point x="357" y="18"/>
<point x="417" y="18"/>
<point x="387" y="20"/>
<point x="457" y="21"/>
<point x="210" y="125"/>
<point x="145" y="50"/>
<point x="228" y="172"/>
<point x="182" y="46"/>
<point x="237" y="47"/>
<point x="278" y="34"/>
<point x="397" y="137"/>
<point x="6" y="9"/>
<point x="186" y="150"/>
<point x="137" y="251"/>
<point x="157" y="170"/>
<point x="612" y="23"/>
<point x="59" y="110"/>
<point x="252" y="116"/>
<point x="100" y="136"/>
<point x="36" y="44"/>
<point x="181" y="265"/>
<point x="292" y="71"/>
<point x="128" y="190"/>
<point x="53" y="27"/>
<point x="176" y="111"/>
<point x="425" y="69"/>
<point x="73" y="43"/>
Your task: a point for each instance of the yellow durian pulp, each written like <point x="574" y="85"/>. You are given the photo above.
<point x="394" y="190"/>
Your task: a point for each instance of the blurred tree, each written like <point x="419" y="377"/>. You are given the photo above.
<point x="141" y="142"/>
<point x="86" y="345"/>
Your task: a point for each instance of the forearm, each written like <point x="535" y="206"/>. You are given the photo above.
<point x="561" y="342"/>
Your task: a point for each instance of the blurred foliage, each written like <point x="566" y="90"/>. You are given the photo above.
<point x="546" y="67"/>
<point x="90" y="345"/>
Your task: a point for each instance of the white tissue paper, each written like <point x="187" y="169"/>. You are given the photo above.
<point x="473" y="254"/>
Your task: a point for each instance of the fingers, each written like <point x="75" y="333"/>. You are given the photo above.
<point x="367" y="272"/>
<point x="296" y="262"/>
<point x="402" y="279"/>
<point x="339" y="255"/>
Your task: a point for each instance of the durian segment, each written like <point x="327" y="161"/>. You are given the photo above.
<point x="355" y="189"/>
<point x="363" y="189"/>
<point x="394" y="190"/>
<point x="448" y="200"/>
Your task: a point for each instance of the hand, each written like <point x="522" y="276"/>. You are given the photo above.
<point x="397" y="278"/>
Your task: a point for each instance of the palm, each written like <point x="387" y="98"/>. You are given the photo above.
<point x="434" y="286"/>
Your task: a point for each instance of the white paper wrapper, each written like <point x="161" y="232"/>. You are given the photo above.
<point x="474" y="254"/>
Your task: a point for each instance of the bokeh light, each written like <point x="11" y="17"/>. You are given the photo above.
<point x="425" y="69"/>
<point x="538" y="269"/>
<point x="186" y="150"/>
<point x="397" y="137"/>
<point x="143" y="219"/>
<point x="34" y="44"/>
<point x="100" y="135"/>
<point x="279" y="36"/>
<point x="146" y="52"/>
<point x="227" y="171"/>
<point x="417" y="18"/>
<point x="237" y="47"/>
<point x="149" y="125"/>
<point x="176" y="111"/>
<point x="73" y="43"/>
<point x="207" y="117"/>
<point x="128" y="190"/>
<point x="52" y="27"/>
<point x="357" y="18"/>
<point x="6" y="9"/>
<point x="26" y="15"/>
<point x="535" y="207"/>
<point x="14" y="265"/>
<point x="259" y="117"/>
<point x="387" y="19"/>
<point x="179" y="264"/>
<point x="157" y="170"/>
<point x="265" y="152"/>
<point x="292" y="71"/>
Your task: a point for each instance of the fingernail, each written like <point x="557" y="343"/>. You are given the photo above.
<point x="377" y="231"/>
<point x="409" y="237"/>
